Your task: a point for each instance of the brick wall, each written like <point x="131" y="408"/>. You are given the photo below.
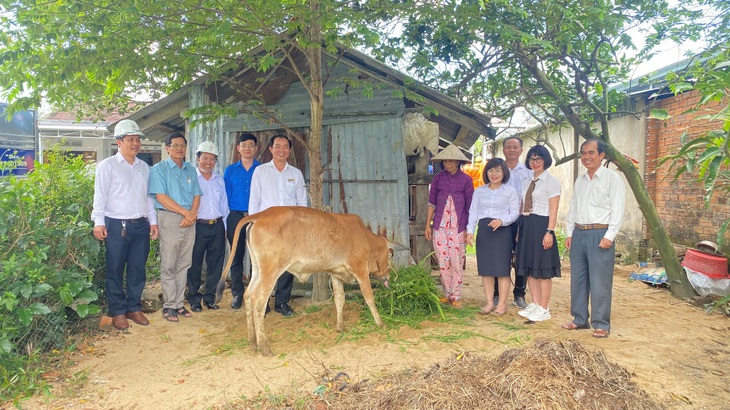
<point x="680" y="202"/>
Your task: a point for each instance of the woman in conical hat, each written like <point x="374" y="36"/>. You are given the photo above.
<point x="448" y="211"/>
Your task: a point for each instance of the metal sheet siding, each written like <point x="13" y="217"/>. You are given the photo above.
<point x="347" y="105"/>
<point x="368" y="177"/>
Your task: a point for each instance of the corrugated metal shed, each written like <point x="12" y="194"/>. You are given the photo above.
<point x="367" y="175"/>
<point x="366" y="171"/>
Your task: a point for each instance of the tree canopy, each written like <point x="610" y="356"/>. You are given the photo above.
<point x="96" y="54"/>
<point x="556" y="59"/>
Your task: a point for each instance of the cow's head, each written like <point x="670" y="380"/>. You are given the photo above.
<point x="380" y="265"/>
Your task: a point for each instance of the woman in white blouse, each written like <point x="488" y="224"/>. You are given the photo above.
<point x="537" y="249"/>
<point x="494" y="207"/>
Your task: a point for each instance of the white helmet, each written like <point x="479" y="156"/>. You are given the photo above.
<point x="207" y="146"/>
<point x="127" y="127"/>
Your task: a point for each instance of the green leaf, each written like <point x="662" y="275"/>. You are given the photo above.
<point x="721" y="233"/>
<point x="65" y="296"/>
<point x="25" y="316"/>
<point x="82" y="310"/>
<point x="39" y="309"/>
<point x="659" y="114"/>
<point x="26" y="290"/>
<point x="5" y="345"/>
<point x="87" y="295"/>
<point x="41" y="289"/>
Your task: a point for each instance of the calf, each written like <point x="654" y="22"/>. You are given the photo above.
<point x="304" y="241"/>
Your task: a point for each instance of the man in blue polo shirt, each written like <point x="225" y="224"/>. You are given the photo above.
<point x="237" y="178"/>
<point x="174" y="184"/>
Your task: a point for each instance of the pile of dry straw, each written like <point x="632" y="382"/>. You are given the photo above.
<point x="547" y="374"/>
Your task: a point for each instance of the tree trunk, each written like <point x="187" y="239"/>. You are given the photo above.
<point x="320" y="285"/>
<point x="679" y="284"/>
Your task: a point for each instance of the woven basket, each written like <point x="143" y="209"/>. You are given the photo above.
<point x="711" y="266"/>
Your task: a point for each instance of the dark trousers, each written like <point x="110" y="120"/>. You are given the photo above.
<point x="237" y="265"/>
<point x="210" y="243"/>
<point x="520" y="281"/>
<point x="128" y="253"/>
<point x="283" y="288"/>
<point x="283" y="284"/>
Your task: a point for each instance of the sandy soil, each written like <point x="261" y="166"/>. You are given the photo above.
<point x="676" y="352"/>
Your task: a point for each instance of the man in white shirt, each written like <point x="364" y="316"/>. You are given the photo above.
<point x="276" y="183"/>
<point x="124" y="218"/>
<point x="594" y="219"/>
<point x="210" y="230"/>
<point x="518" y="173"/>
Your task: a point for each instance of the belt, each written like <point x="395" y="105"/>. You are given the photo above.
<point x="134" y="221"/>
<point x="588" y="227"/>
<point x="210" y="221"/>
<point x="239" y="212"/>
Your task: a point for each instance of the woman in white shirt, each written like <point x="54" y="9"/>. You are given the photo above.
<point x="537" y="248"/>
<point x="494" y="207"/>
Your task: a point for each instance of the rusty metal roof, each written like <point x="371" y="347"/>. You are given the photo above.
<point x="458" y="123"/>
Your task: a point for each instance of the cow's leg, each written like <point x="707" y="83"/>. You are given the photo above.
<point x="249" y="316"/>
<point x="249" y="304"/>
<point x="338" y="290"/>
<point x="264" y="286"/>
<point x="363" y="279"/>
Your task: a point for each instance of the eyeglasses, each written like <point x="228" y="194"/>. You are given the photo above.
<point x="537" y="159"/>
<point x="177" y="146"/>
<point x="494" y="171"/>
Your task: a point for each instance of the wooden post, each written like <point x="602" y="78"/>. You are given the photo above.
<point x="418" y="190"/>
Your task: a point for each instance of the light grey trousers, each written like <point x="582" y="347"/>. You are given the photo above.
<point x="176" y="255"/>
<point x="591" y="276"/>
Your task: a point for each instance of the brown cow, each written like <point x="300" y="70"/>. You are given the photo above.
<point x="304" y="241"/>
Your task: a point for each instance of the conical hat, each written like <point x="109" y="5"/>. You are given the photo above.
<point x="451" y="152"/>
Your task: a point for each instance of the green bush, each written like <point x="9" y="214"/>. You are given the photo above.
<point x="48" y="259"/>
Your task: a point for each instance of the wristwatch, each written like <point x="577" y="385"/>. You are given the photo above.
<point x="550" y="231"/>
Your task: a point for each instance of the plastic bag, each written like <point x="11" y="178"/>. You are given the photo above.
<point x="705" y="285"/>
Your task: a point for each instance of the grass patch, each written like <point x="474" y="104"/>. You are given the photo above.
<point x="313" y="309"/>
<point x="453" y="337"/>
<point x="412" y="296"/>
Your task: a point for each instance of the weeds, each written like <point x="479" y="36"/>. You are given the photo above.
<point x="411" y="297"/>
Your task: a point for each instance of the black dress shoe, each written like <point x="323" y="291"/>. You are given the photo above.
<point x="195" y="307"/>
<point x="211" y="305"/>
<point x="237" y="302"/>
<point x="284" y="309"/>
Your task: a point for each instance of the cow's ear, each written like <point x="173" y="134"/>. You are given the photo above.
<point x="390" y="253"/>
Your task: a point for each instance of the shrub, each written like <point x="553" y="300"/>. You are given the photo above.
<point x="48" y="258"/>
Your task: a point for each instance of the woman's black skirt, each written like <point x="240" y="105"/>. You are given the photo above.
<point x="494" y="249"/>
<point x="532" y="259"/>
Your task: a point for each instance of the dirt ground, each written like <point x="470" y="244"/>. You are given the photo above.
<point x="675" y="351"/>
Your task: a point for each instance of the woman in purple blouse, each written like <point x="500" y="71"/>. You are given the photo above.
<point x="448" y="210"/>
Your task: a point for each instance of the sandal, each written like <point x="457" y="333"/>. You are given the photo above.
<point x="170" y="315"/>
<point x="445" y="300"/>
<point x="573" y="326"/>
<point x="600" y="333"/>
<point x="184" y="312"/>
<point x="456" y="304"/>
<point x="498" y="313"/>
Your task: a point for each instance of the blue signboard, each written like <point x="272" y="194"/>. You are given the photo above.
<point x="18" y="138"/>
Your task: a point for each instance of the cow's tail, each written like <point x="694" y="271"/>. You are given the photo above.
<point x="237" y="234"/>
